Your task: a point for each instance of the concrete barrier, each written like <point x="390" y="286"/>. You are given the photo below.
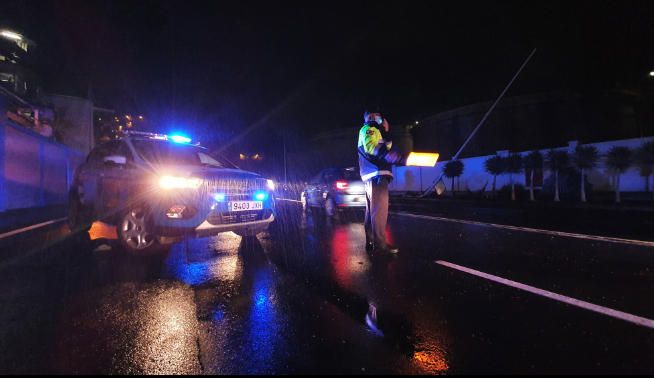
<point x="34" y="171"/>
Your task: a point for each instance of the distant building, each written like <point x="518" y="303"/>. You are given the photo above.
<point x="16" y="72"/>
<point x="536" y="121"/>
<point x="74" y="121"/>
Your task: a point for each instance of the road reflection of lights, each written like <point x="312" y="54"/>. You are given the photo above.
<point x="431" y="351"/>
<point x="431" y="361"/>
<point x="348" y="261"/>
<point x="226" y="266"/>
<point x="389" y="236"/>
<point x="218" y="315"/>
<point x="263" y="325"/>
<point x="168" y="326"/>
<point x="371" y="320"/>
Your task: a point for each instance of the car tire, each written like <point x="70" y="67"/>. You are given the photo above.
<point x="136" y="232"/>
<point x="79" y="218"/>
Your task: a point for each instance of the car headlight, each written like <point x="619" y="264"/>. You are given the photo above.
<point x="271" y="184"/>
<point x="172" y="182"/>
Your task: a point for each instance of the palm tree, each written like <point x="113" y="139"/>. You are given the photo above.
<point x="618" y="160"/>
<point x="644" y="159"/>
<point x="513" y="165"/>
<point x="533" y="161"/>
<point x="494" y="166"/>
<point x="586" y="158"/>
<point x="557" y="160"/>
<point x="453" y="169"/>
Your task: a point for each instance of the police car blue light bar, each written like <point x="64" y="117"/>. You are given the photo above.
<point x="261" y="196"/>
<point x="179" y="138"/>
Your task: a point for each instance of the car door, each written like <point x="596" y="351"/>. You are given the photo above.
<point x="88" y="179"/>
<point x="116" y="179"/>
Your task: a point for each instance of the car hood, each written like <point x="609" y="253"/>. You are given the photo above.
<point x="224" y="174"/>
<point x="208" y="173"/>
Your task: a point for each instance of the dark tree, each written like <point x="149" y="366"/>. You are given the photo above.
<point x="557" y="161"/>
<point x="586" y="158"/>
<point x="618" y="160"/>
<point x="453" y="169"/>
<point x="495" y="166"/>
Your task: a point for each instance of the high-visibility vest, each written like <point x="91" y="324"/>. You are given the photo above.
<point x="371" y="149"/>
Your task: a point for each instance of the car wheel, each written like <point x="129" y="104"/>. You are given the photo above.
<point x="79" y="218"/>
<point x="136" y="232"/>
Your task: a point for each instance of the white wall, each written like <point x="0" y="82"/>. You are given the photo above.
<point x="415" y="179"/>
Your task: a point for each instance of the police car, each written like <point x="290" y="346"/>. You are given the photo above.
<point x="157" y="189"/>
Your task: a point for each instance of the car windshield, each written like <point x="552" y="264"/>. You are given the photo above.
<point x="157" y="152"/>
<point x="350" y="174"/>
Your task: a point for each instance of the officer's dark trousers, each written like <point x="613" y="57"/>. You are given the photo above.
<point x="376" y="210"/>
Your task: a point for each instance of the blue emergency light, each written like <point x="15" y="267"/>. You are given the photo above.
<point x="261" y="196"/>
<point x="179" y="138"/>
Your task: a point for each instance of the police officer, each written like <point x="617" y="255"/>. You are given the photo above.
<point x="375" y="161"/>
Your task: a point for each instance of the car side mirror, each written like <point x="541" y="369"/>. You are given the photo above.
<point x="115" y="159"/>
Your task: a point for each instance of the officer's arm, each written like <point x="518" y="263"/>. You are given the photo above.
<point x="373" y="143"/>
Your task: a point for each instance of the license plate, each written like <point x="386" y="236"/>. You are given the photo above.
<point x="245" y="205"/>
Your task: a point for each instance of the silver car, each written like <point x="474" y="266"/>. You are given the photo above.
<point x="335" y="189"/>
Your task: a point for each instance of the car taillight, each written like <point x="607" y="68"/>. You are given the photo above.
<point x="342" y="185"/>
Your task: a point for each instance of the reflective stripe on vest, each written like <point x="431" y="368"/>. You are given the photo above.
<point x="376" y="173"/>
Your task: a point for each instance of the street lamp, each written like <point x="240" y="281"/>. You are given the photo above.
<point x="651" y="73"/>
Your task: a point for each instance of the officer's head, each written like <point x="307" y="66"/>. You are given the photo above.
<point x="376" y="118"/>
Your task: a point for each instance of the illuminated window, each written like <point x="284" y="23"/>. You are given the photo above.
<point x="242" y="157"/>
<point x="6" y="78"/>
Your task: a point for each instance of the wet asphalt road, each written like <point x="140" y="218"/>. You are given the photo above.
<point x="296" y="301"/>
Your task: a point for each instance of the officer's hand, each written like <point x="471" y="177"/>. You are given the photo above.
<point x="393" y="157"/>
<point x="385" y="125"/>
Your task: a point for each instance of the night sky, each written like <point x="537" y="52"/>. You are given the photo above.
<point x="220" y="68"/>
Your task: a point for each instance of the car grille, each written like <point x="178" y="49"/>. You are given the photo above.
<point x="217" y="218"/>
<point x="235" y="188"/>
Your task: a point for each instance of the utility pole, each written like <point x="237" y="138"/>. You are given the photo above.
<point x="284" y="144"/>
<point x="490" y="110"/>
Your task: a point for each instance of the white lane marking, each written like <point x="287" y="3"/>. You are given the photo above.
<point x="289" y="200"/>
<point x="609" y="239"/>
<point x="32" y="227"/>
<point x="645" y="322"/>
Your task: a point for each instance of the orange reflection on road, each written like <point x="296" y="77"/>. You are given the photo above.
<point x="431" y="361"/>
<point x="100" y="230"/>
